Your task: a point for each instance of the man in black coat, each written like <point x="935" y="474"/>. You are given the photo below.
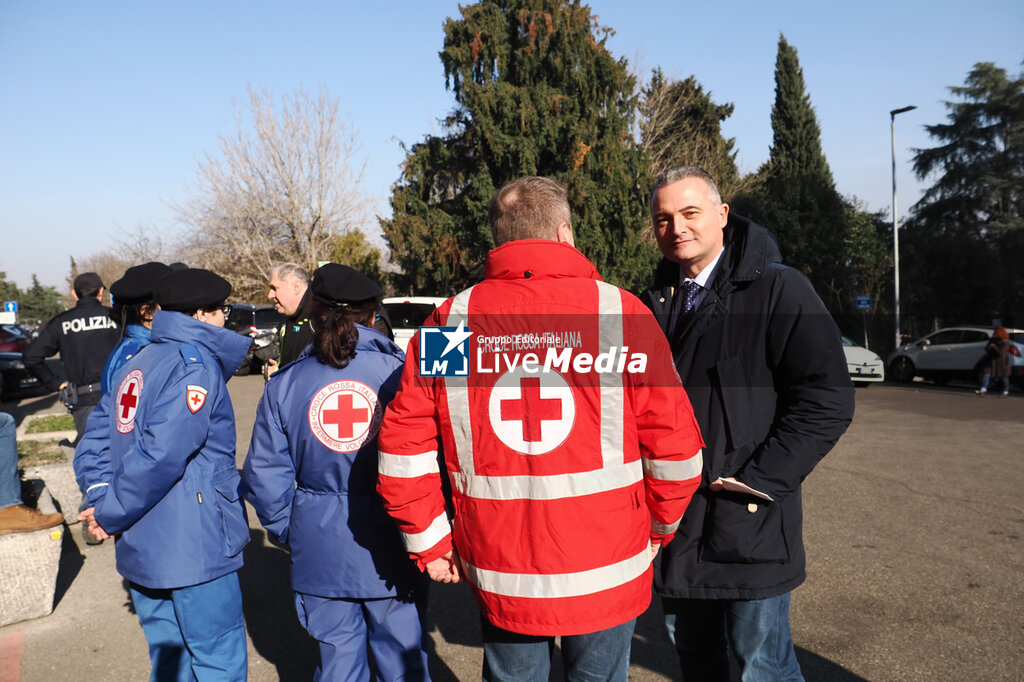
<point x="84" y="336"/>
<point x="763" y="365"/>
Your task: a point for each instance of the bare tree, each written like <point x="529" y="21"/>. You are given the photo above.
<point x="282" y="188"/>
<point x="142" y="245"/>
<point x="680" y="125"/>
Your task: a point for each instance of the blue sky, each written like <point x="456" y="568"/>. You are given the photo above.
<point x="105" y="108"/>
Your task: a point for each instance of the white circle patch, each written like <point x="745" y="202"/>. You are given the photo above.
<point x="344" y="415"/>
<point x="532" y="413"/>
<point x="126" y="402"/>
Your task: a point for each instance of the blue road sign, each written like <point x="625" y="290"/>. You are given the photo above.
<point x="10" y="306"/>
<point x="863" y="303"/>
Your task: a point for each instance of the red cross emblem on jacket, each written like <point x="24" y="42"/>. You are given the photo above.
<point x="127" y="401"/>
<point x="344" y="415"/>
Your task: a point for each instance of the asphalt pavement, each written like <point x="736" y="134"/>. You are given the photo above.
<point x="913" y="534"/>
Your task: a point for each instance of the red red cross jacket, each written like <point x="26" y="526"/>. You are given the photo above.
<point x="568" y="439"/>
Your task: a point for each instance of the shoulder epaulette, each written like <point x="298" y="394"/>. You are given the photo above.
<point x="191" y="355"/>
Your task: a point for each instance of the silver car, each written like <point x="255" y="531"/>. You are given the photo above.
<point x="952" y="353"/>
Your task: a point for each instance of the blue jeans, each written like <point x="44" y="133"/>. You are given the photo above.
<point x="194" y="633"/>
<point x="601" y="656"/>
<point x="987" y="377"/>
<point x="708" y="633"/>
<point x="10" y="484"/>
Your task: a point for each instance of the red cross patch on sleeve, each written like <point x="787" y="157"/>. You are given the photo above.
<point x="195" y="397"/>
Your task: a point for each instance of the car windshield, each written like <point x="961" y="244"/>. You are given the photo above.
<point x="847" y="342"/>
<point x="239" y="317"/>
<point x="268" y="318"/>
<point x="405" y="315"/>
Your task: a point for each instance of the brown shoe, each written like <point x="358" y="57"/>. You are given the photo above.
<point x="22" y="519"/>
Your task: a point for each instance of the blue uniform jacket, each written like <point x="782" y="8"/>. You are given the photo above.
<point x="136" y="337"/>
<point x="158" y="457"/>
<point x="311" y="473"/>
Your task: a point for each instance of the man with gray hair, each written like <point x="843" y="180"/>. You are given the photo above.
<point x="763" y="365"/>
<point x="289" y="292"/>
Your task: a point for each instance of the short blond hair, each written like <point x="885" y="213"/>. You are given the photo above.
<point x="528" y="208"/>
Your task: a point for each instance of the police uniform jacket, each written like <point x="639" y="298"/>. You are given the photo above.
<point x="311" y="473"/>
<point x="158" y="457"/>
<point x="763" y="364"/>
<point x="83" y="335"/>
<point x="136" y="337"/>
<point x="570" y="446"/>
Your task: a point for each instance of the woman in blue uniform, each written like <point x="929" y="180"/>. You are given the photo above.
<point x="133" y="310"/>
<point x="157" y="465"/>
<point x="312" y="475"/>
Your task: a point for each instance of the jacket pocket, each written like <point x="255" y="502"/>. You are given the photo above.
<point x="234" y="527"/>
<point x="742" y="529"/>
<point x="737" y="399"/>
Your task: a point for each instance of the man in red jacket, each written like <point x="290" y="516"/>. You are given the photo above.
<point x="568" y="440"/>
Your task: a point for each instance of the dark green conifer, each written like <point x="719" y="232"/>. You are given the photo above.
<point x="537" y="93"/>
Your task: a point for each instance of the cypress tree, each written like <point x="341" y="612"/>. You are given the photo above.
<point x="797" y="200"/>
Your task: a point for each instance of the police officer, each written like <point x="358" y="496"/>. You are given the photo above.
<point x="157" y="465"/>
<point x="312" y="471"/>
<point x="133" y="309"/>
<point x="84" y="337"/>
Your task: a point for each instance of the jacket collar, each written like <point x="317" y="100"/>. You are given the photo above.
<point x="537" y="259"/>
<point x="370" y="340"/>
<point x="749" y="249"/>
<point x="305" y="308"/>
<point x="138" y="331"/>
<point x="228" y="348"/>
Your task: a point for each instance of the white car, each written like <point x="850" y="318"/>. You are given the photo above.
<point x="953" y="353"/>
<point x="864" y="365"/>
<point x="407" y="313"/>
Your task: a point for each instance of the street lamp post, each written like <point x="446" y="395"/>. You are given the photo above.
<point x="895" y="223"/>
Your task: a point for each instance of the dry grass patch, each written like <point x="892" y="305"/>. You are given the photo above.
<point x="33" y="453"/>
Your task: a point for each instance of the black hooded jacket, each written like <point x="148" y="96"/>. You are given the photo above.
<point x="297" y="331"/>
<point x="763" y="366"/>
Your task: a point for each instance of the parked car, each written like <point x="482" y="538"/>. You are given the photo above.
<point x="407" y="314"/>
<point x="864" y="365"/>
<point x="14" y="378"/>
<point x="252" y="319"/>
<point x="263" y="324"/>
<point x="953" y="353"/>
<point x="12" y="339"/>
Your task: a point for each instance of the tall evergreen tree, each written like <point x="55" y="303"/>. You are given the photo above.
<point x="40" y="302"/>
<point x="682" y="126"/>
<point x="797" y="200"/>
<point x="969" y="225"/>
<point x="9" y="290"/>
<point x="979" y="163"/>
<point x="537" y="93"/>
